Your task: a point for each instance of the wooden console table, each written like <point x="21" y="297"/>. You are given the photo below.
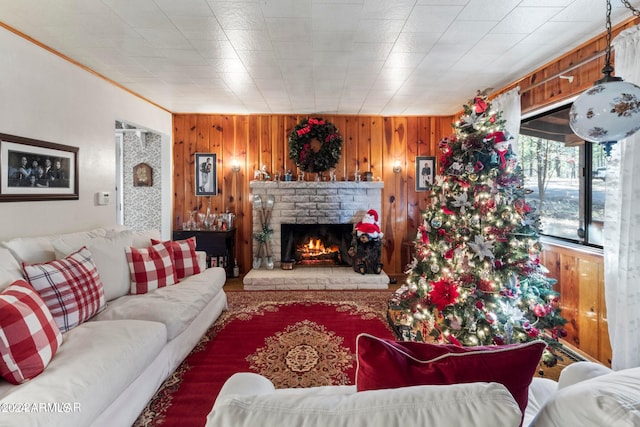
<point x="219" y="246"/>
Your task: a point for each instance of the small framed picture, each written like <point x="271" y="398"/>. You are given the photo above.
<point x="206" y="174"/>
<point x="142" y="175"/>
<point x="425" y="172"/>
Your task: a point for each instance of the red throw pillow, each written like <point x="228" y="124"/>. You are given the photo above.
<point x="29" y="337"/>
<point x="184" y="256"/>
<point x="70" y="287"/>
<point x="151" y="268"/>
<point x="386" y="364"/>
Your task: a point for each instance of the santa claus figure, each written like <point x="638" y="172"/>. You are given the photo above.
<point x="369" y="227"/>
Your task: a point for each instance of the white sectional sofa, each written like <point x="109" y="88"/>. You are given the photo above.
<point x="586" y="395"/>
<point x="107" y="368"/>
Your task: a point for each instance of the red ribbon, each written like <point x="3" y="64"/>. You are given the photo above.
<point x="304" y="130"/>
<point x="503" y="161"/>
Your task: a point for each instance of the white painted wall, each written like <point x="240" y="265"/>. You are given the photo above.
<point x="44" y="97"/>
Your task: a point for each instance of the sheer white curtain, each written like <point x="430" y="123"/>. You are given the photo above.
<point x="622" y="224"/>
<point x="509" y="103"/>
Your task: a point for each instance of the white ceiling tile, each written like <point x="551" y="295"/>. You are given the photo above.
<point x="431" y="19"/>
<point x="300" y="56"/>
<point x="238" y="15"/>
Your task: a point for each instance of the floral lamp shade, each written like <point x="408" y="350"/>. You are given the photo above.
<point x="607" y="112"/>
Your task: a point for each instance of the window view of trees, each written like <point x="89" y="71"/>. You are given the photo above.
<point x="565" y="177"/>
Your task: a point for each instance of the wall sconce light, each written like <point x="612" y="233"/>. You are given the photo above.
<point x="396" y="167"/>
<point x="235" y="166"/>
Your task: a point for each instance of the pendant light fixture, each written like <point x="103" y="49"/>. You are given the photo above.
<point x="610" y="110"/>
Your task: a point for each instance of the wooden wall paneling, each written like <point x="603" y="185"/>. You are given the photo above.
<point x="279" y="144"/>
<point x="418" y="137"/>
<point x="341" y="167"/>
<point x="226" y="176"/>
<point x="180" y="173"/>
<point x="203" y="146"/>
<point x="392" y="199"/>
<point x="191" y="138"/>
<point x="350" y="149"/>
<point x="589" y="307"/>
<point x="268" y="151"/>
<point x="379" y="165"/>
<point x="237" y="133"/>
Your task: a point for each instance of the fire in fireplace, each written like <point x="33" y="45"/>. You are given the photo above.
<point x="316" y="244"/>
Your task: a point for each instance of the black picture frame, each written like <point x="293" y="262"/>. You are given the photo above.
<point x="206" y="180"/>
<point x="425" y="172"/>
<point x="35" y="170"/>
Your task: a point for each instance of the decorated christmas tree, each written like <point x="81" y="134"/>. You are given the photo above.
<point x="476" y="277"/>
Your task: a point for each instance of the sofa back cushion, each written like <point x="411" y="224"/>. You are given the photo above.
<point x="10" y="269"/>
<point x="29" y="337"/>
<point x="34" y="250"/>
<point x="70" y="287"/>
<point x="109" y="255"/>
<point x="383" y="364"/>
<point x="251" y="404"/>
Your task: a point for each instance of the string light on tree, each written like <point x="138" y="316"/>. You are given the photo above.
<point x="476" y="278"/>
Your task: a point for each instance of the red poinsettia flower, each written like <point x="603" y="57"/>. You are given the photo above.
<point x="443" y="293"/>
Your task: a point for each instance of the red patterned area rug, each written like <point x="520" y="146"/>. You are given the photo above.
<point x="294" y="338"/>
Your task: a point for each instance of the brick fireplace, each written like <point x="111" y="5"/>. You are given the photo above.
<point x="312" y="202"/>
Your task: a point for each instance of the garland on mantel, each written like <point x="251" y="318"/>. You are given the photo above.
<point x="315" y="145"/>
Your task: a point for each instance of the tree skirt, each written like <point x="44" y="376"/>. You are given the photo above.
<point x="294" y="338"/>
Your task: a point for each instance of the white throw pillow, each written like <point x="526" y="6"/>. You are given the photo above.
<point x="108" y="254"/>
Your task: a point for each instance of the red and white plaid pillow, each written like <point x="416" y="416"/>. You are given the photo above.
<point x="29" y="337"/>
<point x="151" y="268"/>
<point x="70" y="287"/>
<point x="184" y="256"/>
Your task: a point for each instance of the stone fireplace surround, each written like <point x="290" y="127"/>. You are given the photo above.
<point x="313" y="202"/>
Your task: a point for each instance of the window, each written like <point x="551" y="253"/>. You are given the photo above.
<point x="565" y="177"/>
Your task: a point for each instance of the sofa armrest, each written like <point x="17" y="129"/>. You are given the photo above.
<point x="202" y="260"/>
<point x="251" y="400"/>
<point x="247" y="383"/>
<point x="581" y="371"/>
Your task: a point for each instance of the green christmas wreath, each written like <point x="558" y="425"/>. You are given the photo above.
<point x="315" y="145"/>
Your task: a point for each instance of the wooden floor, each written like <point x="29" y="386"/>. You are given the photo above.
<point x="235" y="283"/>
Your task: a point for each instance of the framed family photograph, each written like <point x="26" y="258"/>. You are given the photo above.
<point x="37" y="170"/>
<point x="206" y="174"/>
<point x="425" y="172"/>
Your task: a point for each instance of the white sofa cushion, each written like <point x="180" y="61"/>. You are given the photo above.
<point x="108" y="254"/>
<point x="247" y="400"/>
<point x="175" y="306"/>
<point x="34" y="250"/>
<point x="606" y="400"/>
<point x="10" y="270"/>
<point x="95" y="363"/>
